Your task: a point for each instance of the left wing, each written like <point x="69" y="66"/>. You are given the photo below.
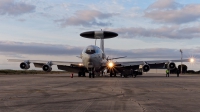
<point x="129" y="63"/>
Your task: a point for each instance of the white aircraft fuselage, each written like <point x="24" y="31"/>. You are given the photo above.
<point x="93" y="57"/>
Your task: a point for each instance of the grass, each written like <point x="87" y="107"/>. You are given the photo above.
<point x="11" y="72"/>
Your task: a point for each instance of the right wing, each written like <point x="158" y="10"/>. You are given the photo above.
<point x="45" y="62"/>
<point x="62" y="65"/>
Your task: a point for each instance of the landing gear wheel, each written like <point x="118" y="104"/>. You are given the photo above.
<point x="89" y="75"/>
<point x="79" y="74"/>
<point x="83" y="74"/>
<point x="125" y="75"/>
<point x="92" y="75"/>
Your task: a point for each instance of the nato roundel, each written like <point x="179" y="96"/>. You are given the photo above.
<point x="98" y="34"/>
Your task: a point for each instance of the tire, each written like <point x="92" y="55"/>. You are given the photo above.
<point x="79" y="74"/>
<point x="111" y="74"/>
<point x="125" y="75"/>
<point x="89" y="75"/>
<point x="83" y="74"/>
<point x="92" y="75"/>
<point x="115" y="74"/>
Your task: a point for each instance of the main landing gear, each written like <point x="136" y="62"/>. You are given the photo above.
<point x="113" y="74"/>
<point x="81" y="74"/>
<point x="91" y="72"/>
<point x="91" y="75"/>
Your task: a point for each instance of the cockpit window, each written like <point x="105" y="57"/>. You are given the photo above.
<point x="89" y="51"/>
<point x="92" y="50"/>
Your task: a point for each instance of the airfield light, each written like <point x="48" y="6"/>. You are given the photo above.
<point x="191" y="60"/>
<point x="110" y="64"/>
<point x="80" y="64"/>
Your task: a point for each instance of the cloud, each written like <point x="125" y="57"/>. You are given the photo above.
<point x="167" y="4"/>
<point x="20" y="49"/>
<point x="21" y="20"/>
<point x="169" y="11"/>
<point x="10" y="7"/>
<point x="87" y="18"/>
<point x="37" y="48"/>
<point x="172" y="32"/>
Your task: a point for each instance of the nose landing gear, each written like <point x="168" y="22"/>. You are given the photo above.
<point x="91" y="73"/>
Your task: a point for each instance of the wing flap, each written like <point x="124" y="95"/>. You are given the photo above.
<point x="38" y="65"/>
<point x="157" y="66"/>
<point x="69" y="68"/>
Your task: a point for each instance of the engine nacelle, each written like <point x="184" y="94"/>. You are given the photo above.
<point x="171" y="66"/>
<point x="47" y="68"/>
<point x="146" y="68"/>
<point x="24" y="65"/>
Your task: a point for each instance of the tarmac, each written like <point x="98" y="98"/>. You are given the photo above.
<point x="60" y="92"/>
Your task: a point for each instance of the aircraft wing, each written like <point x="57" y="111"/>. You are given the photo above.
<point x="45" y="62"/>
<point x="131" y="63"/>
<point x="144" y="65"/>
<point x="62" y="65"/>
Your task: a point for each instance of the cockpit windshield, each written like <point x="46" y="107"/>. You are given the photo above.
<point x="92" y="50"/>
<point x="88" y="51"/>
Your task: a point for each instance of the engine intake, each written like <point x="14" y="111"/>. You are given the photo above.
<point x="146" y="68"/>
<point x="171" y="66"/>
<point x="24" y="65"/>
<point x="47" y="68"/>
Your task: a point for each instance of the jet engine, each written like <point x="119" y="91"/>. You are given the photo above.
<point x="24" y="65"/>
<point x="171" y="66"/>
<point x="47" y="68"/>
<point x="146" y="68"/>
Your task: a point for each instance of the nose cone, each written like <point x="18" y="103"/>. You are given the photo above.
<point x="90" y="59"/>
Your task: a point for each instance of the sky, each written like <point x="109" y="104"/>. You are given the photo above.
<point x="50" y="29"/>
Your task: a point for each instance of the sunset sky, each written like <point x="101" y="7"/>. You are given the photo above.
<point x="50" y="29"/>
